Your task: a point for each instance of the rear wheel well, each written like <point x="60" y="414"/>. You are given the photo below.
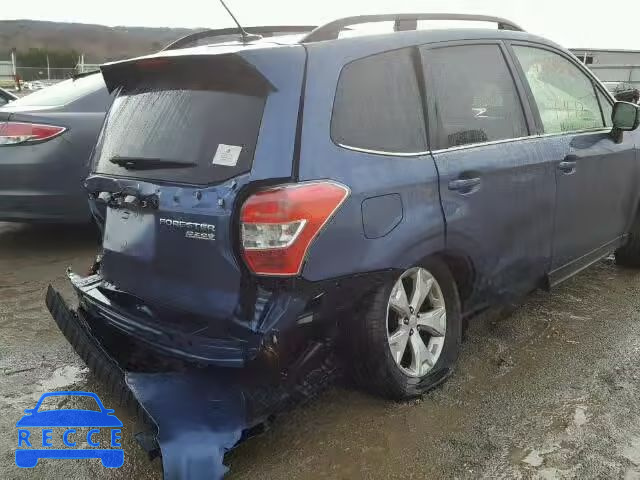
<point x="462" y="271"/>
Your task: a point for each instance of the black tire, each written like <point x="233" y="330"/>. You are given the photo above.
<point x="373" y="365"/>
<point x="629" y="254"/>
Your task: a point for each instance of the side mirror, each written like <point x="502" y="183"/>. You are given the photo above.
<point x="625" y="116"/>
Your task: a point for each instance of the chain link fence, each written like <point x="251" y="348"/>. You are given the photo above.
<point x="30" y="74"/>
<point x="42" y="75"/>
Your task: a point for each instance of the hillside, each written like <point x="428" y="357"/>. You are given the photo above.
<point x="97" y="42"/>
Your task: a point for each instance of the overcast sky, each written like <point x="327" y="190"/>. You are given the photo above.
<point x="572" y="23"/>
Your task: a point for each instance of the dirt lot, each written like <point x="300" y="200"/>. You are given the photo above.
<point x="550" y="391"/>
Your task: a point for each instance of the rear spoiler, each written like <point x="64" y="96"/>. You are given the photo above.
<point x="198" y="71"/>
<point x="268" y="31"/>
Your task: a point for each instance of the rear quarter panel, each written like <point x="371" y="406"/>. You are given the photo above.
<point x="343" y="248"/>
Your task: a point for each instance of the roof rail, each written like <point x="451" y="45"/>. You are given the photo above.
<point x="403" y="21"/>
<point x="264" y="31"/>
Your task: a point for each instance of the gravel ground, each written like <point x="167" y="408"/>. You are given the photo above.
<point x="550" y="391"/>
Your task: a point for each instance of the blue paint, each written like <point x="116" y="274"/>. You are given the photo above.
<point x="26" y="457"/>
<point x="23" y="438"/>
<point x="69" y="417"/>
<point x="46" y="437"/>
<point x="115" y="438"/>
<point x="199" y="418"/>
<point x="90" y="435"/>
<point x="65" y="438"/>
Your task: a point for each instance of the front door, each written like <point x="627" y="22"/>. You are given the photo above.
<point x="497" y="190"/>
<point x="594" y="174"/>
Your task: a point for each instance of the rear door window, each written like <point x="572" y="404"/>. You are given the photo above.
<point x="378" y="105"/>
<point x="476" y="99"/>
<point x="182" y="129"/>
<point x="564" y="94"/>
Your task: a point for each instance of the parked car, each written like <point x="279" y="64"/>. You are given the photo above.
<point x="34" y="85"/>
<point x="624" y="92"/>
<point x="255" y="194"/>
<point x="46" y="140"/>
<point x="6" y="97"/>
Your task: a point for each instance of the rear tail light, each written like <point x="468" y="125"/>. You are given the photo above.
<point x="279" y="224"/>
<point x="20" y="133"/>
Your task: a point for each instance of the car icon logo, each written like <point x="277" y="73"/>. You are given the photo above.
<point x="74" y="422"/>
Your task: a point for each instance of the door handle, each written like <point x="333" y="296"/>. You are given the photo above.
<point x="569" y="164"/>
<point x="567" y="167"/>
<point x="464" y="185"/>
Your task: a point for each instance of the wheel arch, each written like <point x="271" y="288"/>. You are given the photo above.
<point x="462" y="270"/>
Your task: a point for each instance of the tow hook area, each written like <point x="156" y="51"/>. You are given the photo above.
<point x="195" y="414"/>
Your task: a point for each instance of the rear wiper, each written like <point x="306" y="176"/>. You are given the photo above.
<point x="145" y="163"/>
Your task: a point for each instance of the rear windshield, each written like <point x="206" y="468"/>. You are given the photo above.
<point x="185" y="130"/>
<point x="63" y="93"/>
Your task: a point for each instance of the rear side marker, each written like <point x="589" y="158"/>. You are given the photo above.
<point x="21" y="133"/>
<point x="278" y="225"/>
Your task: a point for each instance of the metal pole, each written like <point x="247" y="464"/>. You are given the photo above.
<point x="14" y="68"/>
<point x="48" y="69"/>
<point x="13" y="61"/>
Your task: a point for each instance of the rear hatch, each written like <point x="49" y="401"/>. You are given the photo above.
<point x="190" y="132"/>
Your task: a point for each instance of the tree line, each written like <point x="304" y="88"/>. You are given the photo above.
<point x="37" y="57"/>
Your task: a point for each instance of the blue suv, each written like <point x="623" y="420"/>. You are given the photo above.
<point x="259" y="196"/>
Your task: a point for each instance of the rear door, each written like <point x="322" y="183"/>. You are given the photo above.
<point x="596" y="177"/>
<point x="186" y="138"/>
<point x="497" y="190"/>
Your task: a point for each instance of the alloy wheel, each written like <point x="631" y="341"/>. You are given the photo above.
<point x="416" y="322"/>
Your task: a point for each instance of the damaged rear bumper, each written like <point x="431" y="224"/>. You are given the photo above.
<point x="272" y="326"/>
<point x="139" y="325"/>
<point x="197" y="410"/>
<point x="176" y="405"/>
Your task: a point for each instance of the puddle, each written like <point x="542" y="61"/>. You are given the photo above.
<point x="518" y="455"/>
<point x="61" y="378"/>
<point x="580" y="416"/>
<point x="632" y="451"/>
<point x="533" y="458"/>
<point x="632" y="474"/>
<point x="553" y="474"/>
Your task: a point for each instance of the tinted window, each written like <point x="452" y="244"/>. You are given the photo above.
<point x="64" y="92"/>
<point x="179" y="129"/>
<point x="378" y="105"/>
<point x="475" y="95"/>
<point x="607" y="108"/>
<point x="564" y="94"/>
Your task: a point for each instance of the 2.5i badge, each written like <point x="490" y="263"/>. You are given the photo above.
<point x="199" y="231"/>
